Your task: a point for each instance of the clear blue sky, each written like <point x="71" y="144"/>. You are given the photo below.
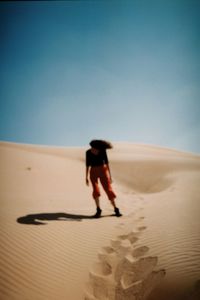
<point x="71" y="71"/>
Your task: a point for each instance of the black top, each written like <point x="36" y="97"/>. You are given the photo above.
<point x="99" y="159"/>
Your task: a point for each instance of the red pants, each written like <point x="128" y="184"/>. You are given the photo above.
<point x="101" y="172"/>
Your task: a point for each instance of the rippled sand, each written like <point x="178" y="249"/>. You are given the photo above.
<point x="169" y="186"/>
<point x="51" y="248"/>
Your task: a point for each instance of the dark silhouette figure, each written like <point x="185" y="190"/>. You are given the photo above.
<point x="35" y="219"/>
<point x="97" y="169"/>
<point x="39" y="219"/>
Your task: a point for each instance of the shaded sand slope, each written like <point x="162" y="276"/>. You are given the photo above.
<point x="44" y="185"/>
<point x="168" y="183"/>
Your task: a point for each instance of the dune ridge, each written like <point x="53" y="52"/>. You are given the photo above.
<point x="50" y="242"/>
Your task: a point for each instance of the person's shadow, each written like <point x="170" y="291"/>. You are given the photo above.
<point x="38" y="219"/>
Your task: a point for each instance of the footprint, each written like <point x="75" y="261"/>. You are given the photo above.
<point x="123" y="271"/>
<point x="127" y="279"/>
<point x="115" y="243"/>
<point x="149" y="284"/>
<point x="124" y="248"/>
<point x="89" y="292"/>
<point x="139" y="267"/>
<point x="123" y="236"/>
<point x="141" y="228"/>
<point x="89" y="296"/>
<point x="140" y="289"/>
<point x="109" y="259"/>
<point x="101" y="285"/>
<point x="132" y="237"/>
<point x="140" y="251"/>
<point x="102" y="269"/>
<point x="108" y="250"/>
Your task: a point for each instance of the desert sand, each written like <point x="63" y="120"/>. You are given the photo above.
<point x="52" y="248"/>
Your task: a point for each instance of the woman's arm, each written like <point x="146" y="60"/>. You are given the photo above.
<point x="109" y="172"/>
<point x="87" y="163"/>
<point x="87" y="172"/>
<point x="107" y="163"/>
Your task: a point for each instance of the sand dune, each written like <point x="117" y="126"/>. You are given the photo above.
<point x="51" y="247"/>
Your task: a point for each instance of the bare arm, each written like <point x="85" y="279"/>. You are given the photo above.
<point x="87" y="167"/>
<point x="87" y="172"/>
<point x="109" y="172"/>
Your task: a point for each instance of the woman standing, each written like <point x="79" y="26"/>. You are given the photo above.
<point x="97" y="166"/>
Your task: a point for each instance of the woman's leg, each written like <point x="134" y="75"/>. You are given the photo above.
<point x="105" y="181"/>
<point x="112" y="201"/>
<point x="97" y="202"/>
<point x="94" y="180"/>
<point x="98" y="212"/>
<point x="96" y="191"/>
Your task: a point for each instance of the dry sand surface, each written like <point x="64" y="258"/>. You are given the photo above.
<point x="51" y="247"/>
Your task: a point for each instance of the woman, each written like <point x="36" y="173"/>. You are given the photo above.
<point x="97" y="166"/>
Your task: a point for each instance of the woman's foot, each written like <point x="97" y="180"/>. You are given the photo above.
<point x="117" y="212"/>
<point x="98" y="213"/>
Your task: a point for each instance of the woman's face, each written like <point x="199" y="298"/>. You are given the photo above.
<point x="95" y="151"/>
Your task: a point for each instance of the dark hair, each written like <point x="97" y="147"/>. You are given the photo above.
<point x="101" y="144"/>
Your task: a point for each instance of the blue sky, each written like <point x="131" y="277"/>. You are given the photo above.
<point x="71" y="71"/>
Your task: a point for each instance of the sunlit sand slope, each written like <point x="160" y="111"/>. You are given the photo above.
<point x="51" y="247"/>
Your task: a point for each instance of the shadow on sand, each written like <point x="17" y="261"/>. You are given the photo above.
<point x="35" y="219"/>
